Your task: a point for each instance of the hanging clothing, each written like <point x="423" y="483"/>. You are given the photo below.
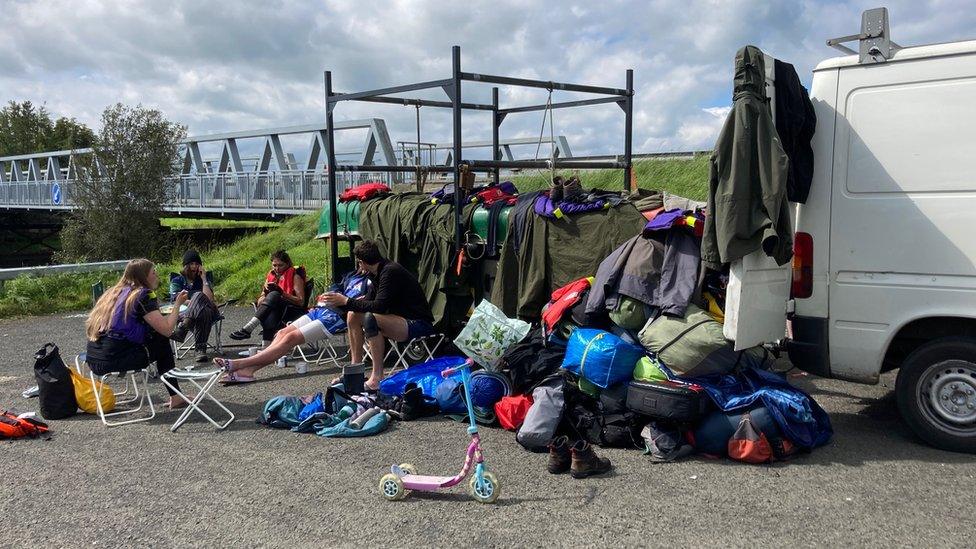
<point x="747" y="206"/>
<point x="796" y="122"/>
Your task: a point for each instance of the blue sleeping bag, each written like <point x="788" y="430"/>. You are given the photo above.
<point x="427" y="376"/>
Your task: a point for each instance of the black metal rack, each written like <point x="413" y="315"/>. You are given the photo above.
<point x="623" y="97"/>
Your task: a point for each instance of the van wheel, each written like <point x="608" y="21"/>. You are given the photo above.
<point x="936" y="392"/>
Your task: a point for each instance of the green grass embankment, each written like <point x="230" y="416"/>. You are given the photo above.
<point x="239" y="268"/>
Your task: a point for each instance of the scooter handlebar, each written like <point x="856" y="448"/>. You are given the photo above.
<point x="452" y="371"/>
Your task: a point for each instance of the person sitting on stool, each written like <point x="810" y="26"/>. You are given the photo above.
<point x="282" y="299"/>
<point x="395" y="307"/>
<point x="202" y="308"/>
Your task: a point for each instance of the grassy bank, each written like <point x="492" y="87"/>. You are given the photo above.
<point x="239" y="267"/>
<point x="177" y="223"/>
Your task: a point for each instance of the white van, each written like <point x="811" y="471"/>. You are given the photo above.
<point x="884" y="275"/>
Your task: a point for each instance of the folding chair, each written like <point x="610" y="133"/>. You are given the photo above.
<point x="418" y="349"/>
<point x="181" y="349"/>
<point x="209" y="379"/>
<point x="137" y="397"/>
<point x="322" y="351"/>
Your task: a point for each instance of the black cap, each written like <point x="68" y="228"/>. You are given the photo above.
<point x="192" y="256"/>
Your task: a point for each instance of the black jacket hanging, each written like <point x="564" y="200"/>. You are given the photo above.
<point x="795" y="124"/>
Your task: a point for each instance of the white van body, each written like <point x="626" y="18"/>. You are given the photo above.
<point x="892" y="216"/>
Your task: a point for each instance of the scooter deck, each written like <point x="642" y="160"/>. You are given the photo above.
<point x="425" y="482"/>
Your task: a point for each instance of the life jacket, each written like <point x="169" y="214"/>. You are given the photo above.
<point x="363" y="192"/>
<point x="14" y="427"/>
<point x="564" y="299"/>
<point x="286" y="280"/>
<point x="128" y="327"/>
<point x="503" y="192"/>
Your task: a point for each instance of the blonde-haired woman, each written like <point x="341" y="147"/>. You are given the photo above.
<point x="126" y="331"/>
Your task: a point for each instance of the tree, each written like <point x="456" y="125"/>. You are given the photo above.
<point x="26" y="129"/>
<point x="121" y="187"/>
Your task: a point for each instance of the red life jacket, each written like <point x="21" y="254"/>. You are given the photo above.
<point x="286" y="280"/>
<point x="364" y="192"/>
<point x="563" y="300"/>
<point x="494" y="194"/>
<point x="12" y="427"/>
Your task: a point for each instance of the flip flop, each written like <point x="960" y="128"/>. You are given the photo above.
<point x="224" y="364"/>
<point x="233" y="378"/>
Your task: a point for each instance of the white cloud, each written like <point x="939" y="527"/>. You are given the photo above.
<point x="252" y="64"/>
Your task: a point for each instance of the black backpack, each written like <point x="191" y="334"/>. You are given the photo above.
<point x="56" y="390"/>
<point x="530" y="361"/>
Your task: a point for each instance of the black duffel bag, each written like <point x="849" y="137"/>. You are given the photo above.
<point x="56" y="390"/>
<point x="608" y="430"/>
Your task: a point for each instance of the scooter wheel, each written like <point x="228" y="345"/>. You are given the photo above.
<point x="408" y="468"/>
<point x="392" y="487"/>
<point x="486" y="491"/>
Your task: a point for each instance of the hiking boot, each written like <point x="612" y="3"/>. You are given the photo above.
<point x="181" y="330"/>
<point x="572" y="189"/>
<point x="559" y="456"/>
<point x="240" y="335"/>
<point x="556" y="194"/>
<point x="202" y="356"/>
<point x="586" y="463"/>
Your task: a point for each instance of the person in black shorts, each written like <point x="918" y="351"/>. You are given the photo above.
<point x="395" y="307"/>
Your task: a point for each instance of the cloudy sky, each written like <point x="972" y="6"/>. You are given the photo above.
<point x="221" y="66"/>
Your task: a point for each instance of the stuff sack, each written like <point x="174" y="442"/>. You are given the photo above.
<point x="489" y="333"/>
<point x="751" y="436"/>
<point x="281" y="412"/>
<point x="690" y="346"/>
<point x="543" y="417"/>
<point x="85" y="394"/>
<point x="601" y="357"/>
<point x="668" y="400"/>
<point x="450" y="398"/>
<point x="511" y="411"/>
<point x="649" y="369"/>
<point x="13" y="427"/>
<point x="56" y="390"/>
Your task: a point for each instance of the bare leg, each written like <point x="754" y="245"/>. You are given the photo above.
<point x="285" y="340"/>
<point x="377" y="350"/>
<point x="356" y="337"/>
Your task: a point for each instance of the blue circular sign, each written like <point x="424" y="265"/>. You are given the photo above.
<point x="56" y="194"/>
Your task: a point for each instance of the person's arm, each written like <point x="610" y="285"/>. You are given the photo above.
<point x="175" y="286"/>
<point x="166" y="324"/>
<point x="298" y="299"/>
<point x="382" y="296"/>
<point x="206" y="285"/>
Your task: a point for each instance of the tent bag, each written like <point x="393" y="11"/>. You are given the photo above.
<point x="539" y="427"/>
<point x="601" y="357"/>
<point x="692" y="346"/>
<point x="56" y="391"/>
<point x="668" y="400"/>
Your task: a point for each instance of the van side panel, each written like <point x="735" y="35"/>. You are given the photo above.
<point x="903" y="206"/>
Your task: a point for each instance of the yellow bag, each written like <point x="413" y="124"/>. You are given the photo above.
<point x="85" y="394"/>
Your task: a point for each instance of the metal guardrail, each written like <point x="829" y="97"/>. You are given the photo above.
<point x="10" y="274"/>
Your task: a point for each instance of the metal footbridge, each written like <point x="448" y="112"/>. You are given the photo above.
<point x="216" y="179"/>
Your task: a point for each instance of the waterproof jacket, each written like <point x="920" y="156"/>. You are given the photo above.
<point x="747" y="206"/>
<point x="796" y="122"/>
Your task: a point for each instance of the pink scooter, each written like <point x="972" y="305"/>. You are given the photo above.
<point x="484" y="486"/>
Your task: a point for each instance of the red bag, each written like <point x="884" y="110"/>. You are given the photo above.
<point x="750" y="444"/>
<point x="12" y="427"/>
<point x="511" y="411"/>
<point x="364" y="192"/>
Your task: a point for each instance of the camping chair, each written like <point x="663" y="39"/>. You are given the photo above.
<point x="181" y="349"/>
<point x="323" y="351"/>
<point x="418" y="349"/>
<point x="137" y="397"/>
<point x="209" y="379"/>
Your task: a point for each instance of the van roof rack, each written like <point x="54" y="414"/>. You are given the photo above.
<point x="875" y="38"/>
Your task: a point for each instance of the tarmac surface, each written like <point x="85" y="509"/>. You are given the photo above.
<point x="875" y="484"/>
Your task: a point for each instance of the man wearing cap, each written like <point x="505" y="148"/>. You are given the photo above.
<point x="201" y="310"/>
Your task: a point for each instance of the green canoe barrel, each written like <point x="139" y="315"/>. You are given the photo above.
<point x="349" y="222"/>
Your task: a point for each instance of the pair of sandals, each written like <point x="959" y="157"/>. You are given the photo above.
<point x="231" y="377"/>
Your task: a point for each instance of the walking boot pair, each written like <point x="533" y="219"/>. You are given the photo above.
<point x="579" y="459"/>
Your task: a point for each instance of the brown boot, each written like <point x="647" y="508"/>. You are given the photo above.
<point x="559" y="455"/>
<point x="585" y="461"/>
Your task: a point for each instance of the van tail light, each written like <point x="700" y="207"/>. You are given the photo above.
<point x="802" y="265"/>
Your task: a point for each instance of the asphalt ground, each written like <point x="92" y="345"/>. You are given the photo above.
<point x="875" y="484"/>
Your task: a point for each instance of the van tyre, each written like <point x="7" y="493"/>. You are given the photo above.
<point x="936" y="392"/>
